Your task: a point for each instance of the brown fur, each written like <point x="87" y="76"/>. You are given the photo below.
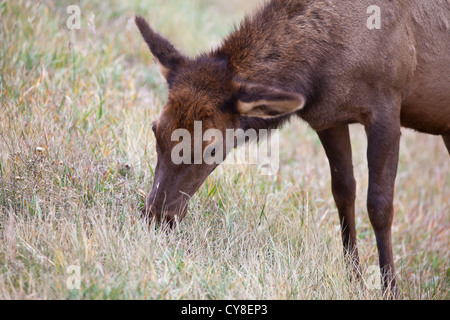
<point x="318" y="60"/>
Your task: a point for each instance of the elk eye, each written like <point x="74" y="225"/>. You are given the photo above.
<point x="154" y="129"/>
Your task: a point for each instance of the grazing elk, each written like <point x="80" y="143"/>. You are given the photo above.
<point x="319" y="61"/>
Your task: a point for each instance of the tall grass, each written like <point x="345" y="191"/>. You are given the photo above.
<point x="77" y="157"/>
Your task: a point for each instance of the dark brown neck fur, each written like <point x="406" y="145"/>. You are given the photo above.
<point x="283" y="45"/>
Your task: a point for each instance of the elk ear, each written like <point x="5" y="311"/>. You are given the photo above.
<point x="267" y="102"/>
<point x="167" y="57"/>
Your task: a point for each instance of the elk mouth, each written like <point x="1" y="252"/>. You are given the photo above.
<point x="165" y="213"/>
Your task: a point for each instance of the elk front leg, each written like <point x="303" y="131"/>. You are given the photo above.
<point x="336" y="142"/>
<point x="382" y="155"/>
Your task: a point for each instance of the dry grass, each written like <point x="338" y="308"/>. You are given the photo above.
<point x="77" y="154"/>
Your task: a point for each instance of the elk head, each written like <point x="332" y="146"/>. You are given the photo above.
<point x="205" y="99"/>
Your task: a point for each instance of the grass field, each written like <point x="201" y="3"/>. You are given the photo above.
<point x="77" y="157"/>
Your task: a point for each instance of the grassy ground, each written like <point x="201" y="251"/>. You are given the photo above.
<point x="77" y="154"/>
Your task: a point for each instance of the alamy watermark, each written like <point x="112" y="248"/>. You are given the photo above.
<point x="214" y="147"/>
<point x="373" y="278"/>
<point x="73" y="21"/>
<point x="73" y="282"/>
<point x="374" y="21"/>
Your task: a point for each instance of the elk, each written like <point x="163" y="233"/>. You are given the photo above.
<point x="319" y="61"/>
